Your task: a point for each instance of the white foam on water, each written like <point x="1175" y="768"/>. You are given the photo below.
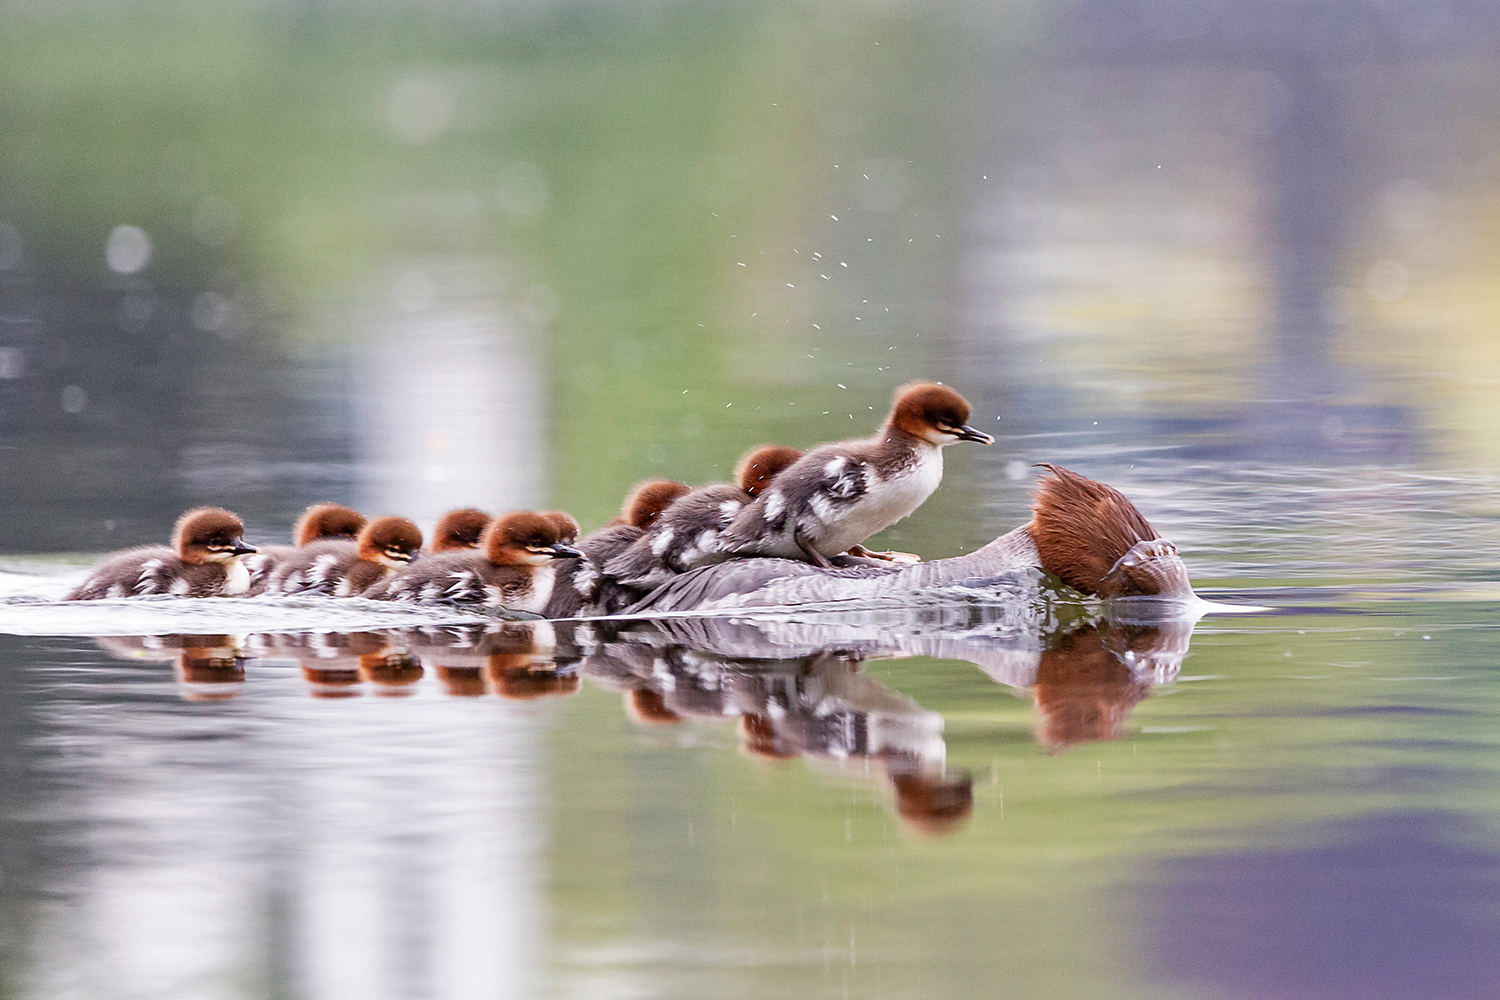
<point x="221" y="615"/>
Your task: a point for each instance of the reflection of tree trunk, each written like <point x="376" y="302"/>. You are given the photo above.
<point x="1309" y="190"/>
<point x="452" y="408"/>
<point x="1309" y="181"/>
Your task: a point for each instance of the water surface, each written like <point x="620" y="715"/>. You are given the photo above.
<point x="1236" y="260"/>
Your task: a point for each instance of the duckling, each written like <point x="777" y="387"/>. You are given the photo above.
<point x="458" y="530"/>
<point x="566" y="525"/>
<point x="513" y="569"/>
<point x="837" y="495"/>
<point x="321" y="520"/>
<point x="580" y="583"/>
<point x="686" y="534"/>
<point x="205" y="560"/>
<point x="347" y="569"/>
<point x="758" y="466"/>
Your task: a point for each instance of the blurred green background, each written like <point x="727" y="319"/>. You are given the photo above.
<point x="682" y="230"/>
<point x="1238" y="258"/>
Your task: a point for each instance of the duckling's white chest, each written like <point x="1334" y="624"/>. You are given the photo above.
<point x="531" y="595"/>
<point x="887" y="500"/>
<point x="236" y="578"/>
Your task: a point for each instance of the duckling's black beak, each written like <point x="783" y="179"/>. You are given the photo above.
<point x="562" y="550"/>
<point x="242" y="549"/>
<point x="967" y="433"/>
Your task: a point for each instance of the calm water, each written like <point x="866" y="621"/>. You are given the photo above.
<point x="1295" y="803"/>
<point x="1234" y="259"/>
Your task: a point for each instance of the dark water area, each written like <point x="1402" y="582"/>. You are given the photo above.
<point x="1236" y="260"/>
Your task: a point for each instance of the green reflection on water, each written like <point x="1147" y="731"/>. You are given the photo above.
<point x="674" y="150"/>
<point x="679" y="865"/>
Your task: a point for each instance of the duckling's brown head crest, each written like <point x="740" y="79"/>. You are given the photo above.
<point x="758" y="466"/>
<point x="1096" y="542"/>
<point x="565" y="523"/>
<point x="210" y="534"/>
<point x="459" y="529"/>
<point x="327" y="520"/>
<point x="392" y="541"/>
<point x="646" y="502"/>
<point x="934" y="413"/>
<point x="529" y="537"/>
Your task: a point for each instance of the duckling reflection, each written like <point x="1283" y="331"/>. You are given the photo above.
<point x="807" y="704"/>
<point x="208" y="667"/>
<point x="518" y="660"/>
<point x="329" y="661"/>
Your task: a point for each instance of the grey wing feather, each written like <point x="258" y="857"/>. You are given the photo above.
<point x="845" y="481"/>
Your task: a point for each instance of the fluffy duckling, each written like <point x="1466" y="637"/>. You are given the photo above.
<point x="319" y="521"/>
<point x="566" y="525"/>
<point x="513" y="569"/>
<point x="205" y="560"/>
<point x="758" y="466"/>
<point x="837" y="495"/>
<point x="686" y="533"/>
<point x="458" y="530"/>
<point x="347" y="569"/>
<point x="581" y="586"/>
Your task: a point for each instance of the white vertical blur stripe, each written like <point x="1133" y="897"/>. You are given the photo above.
<point x="428" y="881"/>
<point x="371" y="848"/>
<point x="451" y="410"/>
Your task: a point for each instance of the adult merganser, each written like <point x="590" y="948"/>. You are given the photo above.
<point x="319" y="521"/>
<point x="686" y="534"/>
<point x="1083" y="532"/>
<point x="458" y="530"/>
<point x="338" y="568"/>
<point x="513" y="569"/>
<point x="204" y="561"/>
<point x="837" y="495"/>
<point x="581" y="587"/>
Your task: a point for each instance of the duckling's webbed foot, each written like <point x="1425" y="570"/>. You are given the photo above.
<point x="896" y="557"/>
<point x="813" y="555"/>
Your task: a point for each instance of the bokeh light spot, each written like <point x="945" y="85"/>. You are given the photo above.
<point x="214" y="313"/>
<point x="127" y="250"/>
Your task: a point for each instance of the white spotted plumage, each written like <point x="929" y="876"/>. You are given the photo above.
<point x="662" y="541"/>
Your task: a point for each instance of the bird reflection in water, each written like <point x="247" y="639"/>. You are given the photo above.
<point x="340" y="664"/>
<point x="208" y="667"/>
<point x="786" y="703"/>
<point x="1088" y="681"/>
<point x="793" y="689"/>
<point x="514" y="660"/>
